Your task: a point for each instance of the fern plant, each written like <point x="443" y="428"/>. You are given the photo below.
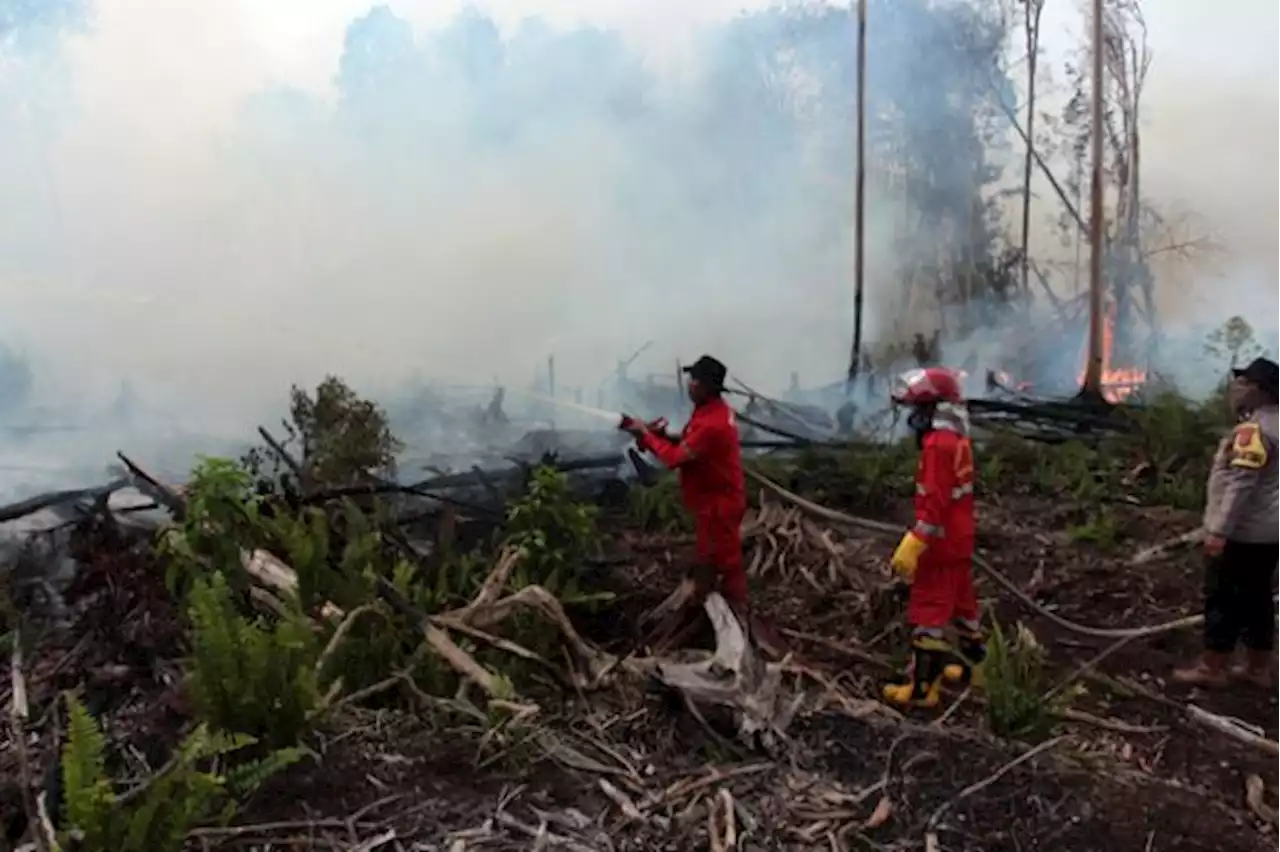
<point x="1014" y="675"/>
<point x="247" y="675"/>
<point x="189" y="791"/>
<point x="345" y="578"/>
<point x="387" y="641"/>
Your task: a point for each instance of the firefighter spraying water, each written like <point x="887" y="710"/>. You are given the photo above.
<point x="708" y="457"/>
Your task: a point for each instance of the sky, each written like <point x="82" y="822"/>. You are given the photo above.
<point x="1209" y="143"/>
<point x="139" y="172"/>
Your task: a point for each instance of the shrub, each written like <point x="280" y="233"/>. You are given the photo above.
<point x="344" y="437"/>
<point x="554" y="533"/>
<point x="158" y="816"/>
<point x="1101" y="530"/>
<point x="249" y="676"/>
<point x="223" y="517"/>
<point x="658" y="507"/>
<point x="1014" y="684"/>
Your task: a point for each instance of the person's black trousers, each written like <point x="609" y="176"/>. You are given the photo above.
<point x="1237" y="591"/>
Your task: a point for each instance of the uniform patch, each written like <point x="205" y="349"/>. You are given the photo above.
<point x="964" y="461"/>
<point x="1247" y="449"/>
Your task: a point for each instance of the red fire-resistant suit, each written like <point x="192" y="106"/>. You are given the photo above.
<point x="708" y="459"/>
<point x="942" y="588"/>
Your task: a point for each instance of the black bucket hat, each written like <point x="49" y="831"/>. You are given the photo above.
<point x="709" y="371"/>
<point x="1264" y="373"/>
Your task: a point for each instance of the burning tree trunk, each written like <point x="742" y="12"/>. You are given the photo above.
<point x="1127" y="60"/>
<point x="1109" y="118"/>
<point x="1091" y="387"/>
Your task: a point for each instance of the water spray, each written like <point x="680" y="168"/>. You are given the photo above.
<point x="614" y="417"/>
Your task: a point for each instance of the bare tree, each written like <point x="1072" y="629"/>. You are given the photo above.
<point x="1126" y="58"/>
<point x="1031" y="13"/>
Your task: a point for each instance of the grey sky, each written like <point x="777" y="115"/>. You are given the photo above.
<point x="138" y="191"/>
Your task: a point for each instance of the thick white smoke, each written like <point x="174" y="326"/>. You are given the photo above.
<point x="215" y="200"/>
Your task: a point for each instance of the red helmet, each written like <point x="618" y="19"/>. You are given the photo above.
<point x="923" y="386"/>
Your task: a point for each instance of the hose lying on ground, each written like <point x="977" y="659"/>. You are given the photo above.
<point x="982" y="565"/>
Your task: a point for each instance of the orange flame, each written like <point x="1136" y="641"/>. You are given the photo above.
<point x="1118" y="383"/>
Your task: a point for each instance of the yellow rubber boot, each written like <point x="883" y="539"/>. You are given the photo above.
<point x="968" y="675"/>
<point x="923" y="687"/>
<point x="972" y="652"/>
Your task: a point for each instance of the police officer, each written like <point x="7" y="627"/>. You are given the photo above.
<point x="1240" y="525"/>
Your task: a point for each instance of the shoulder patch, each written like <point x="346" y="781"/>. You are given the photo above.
<point x="1247" y="449"/>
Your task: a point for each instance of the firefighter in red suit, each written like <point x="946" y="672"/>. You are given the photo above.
<point x="708" y="459"/>
<point x="936" y="554"/>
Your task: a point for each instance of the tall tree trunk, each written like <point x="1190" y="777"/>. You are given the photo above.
<point x="1092" y="385"/>
<point x="1031" y="28"/>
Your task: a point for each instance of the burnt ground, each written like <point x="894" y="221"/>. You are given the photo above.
<point x="629" y="768"/>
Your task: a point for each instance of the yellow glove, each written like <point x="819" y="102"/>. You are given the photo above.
<point x="907" y="556"/>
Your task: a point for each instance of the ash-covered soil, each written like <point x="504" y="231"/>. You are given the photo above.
<point x="628" y="767"/>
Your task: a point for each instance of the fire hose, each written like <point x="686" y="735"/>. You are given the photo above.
<point x="984" y="566"/>
<point x="887" y="529"/>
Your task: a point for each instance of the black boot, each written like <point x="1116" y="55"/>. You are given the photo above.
<point x="971" y="653"/>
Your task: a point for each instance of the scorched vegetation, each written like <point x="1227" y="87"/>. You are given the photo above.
<point x="307" y="653"/>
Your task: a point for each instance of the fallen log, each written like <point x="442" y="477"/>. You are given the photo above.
<point x="31" y="505"/>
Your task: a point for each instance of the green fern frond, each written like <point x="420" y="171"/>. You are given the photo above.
<point x="87" y="794"/>
<point x="247" y="675"/>
<point x="243" y="780"/>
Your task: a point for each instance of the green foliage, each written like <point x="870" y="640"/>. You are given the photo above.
<point x="387" y="642"/>
<point x="1163" y="458"/>
<point x="1171" y="428"/>
<point x="347" y="577"/>
<point x="182" y="796"/>
<point x="223" y="516"/>
<point x="344" y="576"/>
<point x="247" y="675"/>
<point x="1101" y="530"/>
<point x="87" y="794"/>
<point x="879" y="473"/>
<point x="554" y="533"/>
<point x="858" y="476"/>
<point x="344" y="437"/>
<point x="338" y="558"/>
<point x="1171" y="447"/>
<point x="1069" y="469"/>
<point x="658" y="508"/>
<point x="268" y="676"/>
<point x="1014" y="670"/>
